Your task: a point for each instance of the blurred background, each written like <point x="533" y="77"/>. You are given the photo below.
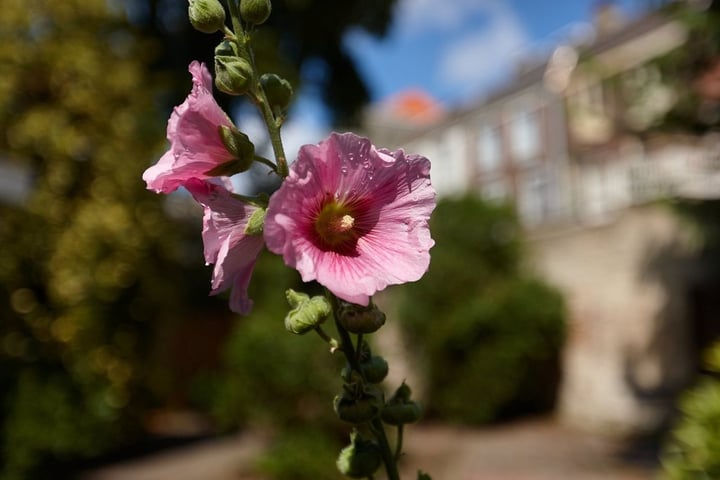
<point x="572" y="300"/>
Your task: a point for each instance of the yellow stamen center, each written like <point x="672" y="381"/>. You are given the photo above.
<point x="346" y="223"/>
<point x="335" y="225"/>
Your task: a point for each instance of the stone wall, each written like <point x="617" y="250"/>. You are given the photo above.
<point x="629" y="348"/>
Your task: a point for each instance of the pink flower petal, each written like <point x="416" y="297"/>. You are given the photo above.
<point x="227" y="246"/>
<point x="195" y="144"/>
<point x="387" y="198"/>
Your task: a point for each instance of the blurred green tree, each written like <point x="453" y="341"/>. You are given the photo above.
<point x="91" y="268"/>
<point x="96" y="273"/>
<point x="693" y="449"/>
<point x="302" y="41"/>
<point x="693" y="69"/>
<point x="488" y="332"/>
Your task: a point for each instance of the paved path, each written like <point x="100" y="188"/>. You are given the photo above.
<point x="528" y="450"/>
<point x="535" y="450"/>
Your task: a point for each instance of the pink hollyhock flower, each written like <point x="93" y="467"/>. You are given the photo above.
<point x="193" y="131"/>
<point x="352" y="217"/>
<point x="227" y="245"/>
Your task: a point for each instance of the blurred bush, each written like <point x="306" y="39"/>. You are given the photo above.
<point x="488" y="332"/>
<point x="279" y="382"/>
<point x="693" y="448"/>
<point x="270" y="377"/>
<point x="92" y="269"/>
<point x="305" y="454"/>
<point x="693" y="452"/>
<point x="104" y="312"/>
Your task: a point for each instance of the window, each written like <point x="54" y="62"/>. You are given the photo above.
<point x="450" y="166"/>
<point x="534" y="196"/>
<point x="490" y="148"/>
<point x="525" y="135"/>
<point x="494" y="190"/>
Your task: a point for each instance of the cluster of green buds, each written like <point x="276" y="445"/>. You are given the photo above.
<point x="361" y="458"/>
<point x="362" y="401"/>
<point x="208" y="16"/>
<point x="236" y="74"/>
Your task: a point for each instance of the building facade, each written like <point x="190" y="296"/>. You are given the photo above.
<point x="572" y="142"/>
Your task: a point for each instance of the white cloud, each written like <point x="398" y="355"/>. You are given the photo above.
<point x="415" y="16"/>
<point x="482" y="57"/>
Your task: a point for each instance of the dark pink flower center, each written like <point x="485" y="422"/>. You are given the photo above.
<point x="335" y="226"/>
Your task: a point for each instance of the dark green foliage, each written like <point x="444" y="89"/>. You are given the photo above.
<point x="693" y="452"/>
<point x="488" y="331"/>
<point x="684" y="67"/>
<point x="307" y="454"/>
<point x="102" y="293"/>
<point x="270" y="376"/>
<point x="279" y="381"/>
<point x="91" y="268"/>
<point x="693" y="449"/>
<point x="302" y="41"/>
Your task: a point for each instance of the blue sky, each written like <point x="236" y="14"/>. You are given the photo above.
<point x="457" y="50"/>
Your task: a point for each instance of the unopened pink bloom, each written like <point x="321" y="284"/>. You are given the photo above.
<point x="352" y="217"/>
<point x="233" y="251"/>
<point x="195" y="143"/>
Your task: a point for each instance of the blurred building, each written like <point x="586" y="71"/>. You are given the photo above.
<point x="572" y="142"/>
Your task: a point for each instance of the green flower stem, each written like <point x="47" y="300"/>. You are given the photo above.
<point x="267" y="162"/>
<point x="358" y="347"/>
<point x="257" y="93"/>
<point x="346" y="343"/>
<point x="378" y="429"/>
<point x="353" y="357"/>
<point x="273" y="131"/>
<point x="260" y="201"/>
<point x="399" y="444"/>
<point x="334" y="345"/>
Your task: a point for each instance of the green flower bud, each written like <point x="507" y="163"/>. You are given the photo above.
<point x="360" y="459"/>
<point x="226" y="48"/>
<point x="402" y="394"/>
<point x="307" y="313"/>
<point x="233" y="75"/>
<point x="256" y="222"/>
<point x="277" y="90"/>
<point x="400" y="410"/>
<point x="358" y="319"/>
<point x="401" y="413"/>
<point x="375" y="369"/>
<point x="240" y="146"/>
<point x="207" y="16"/>
<point x="423" y="476"/>
<point x="359" y="408"/>
<point x="255" y="12"/>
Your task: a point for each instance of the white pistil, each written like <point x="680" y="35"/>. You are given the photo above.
<point x="346" y="223"/>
